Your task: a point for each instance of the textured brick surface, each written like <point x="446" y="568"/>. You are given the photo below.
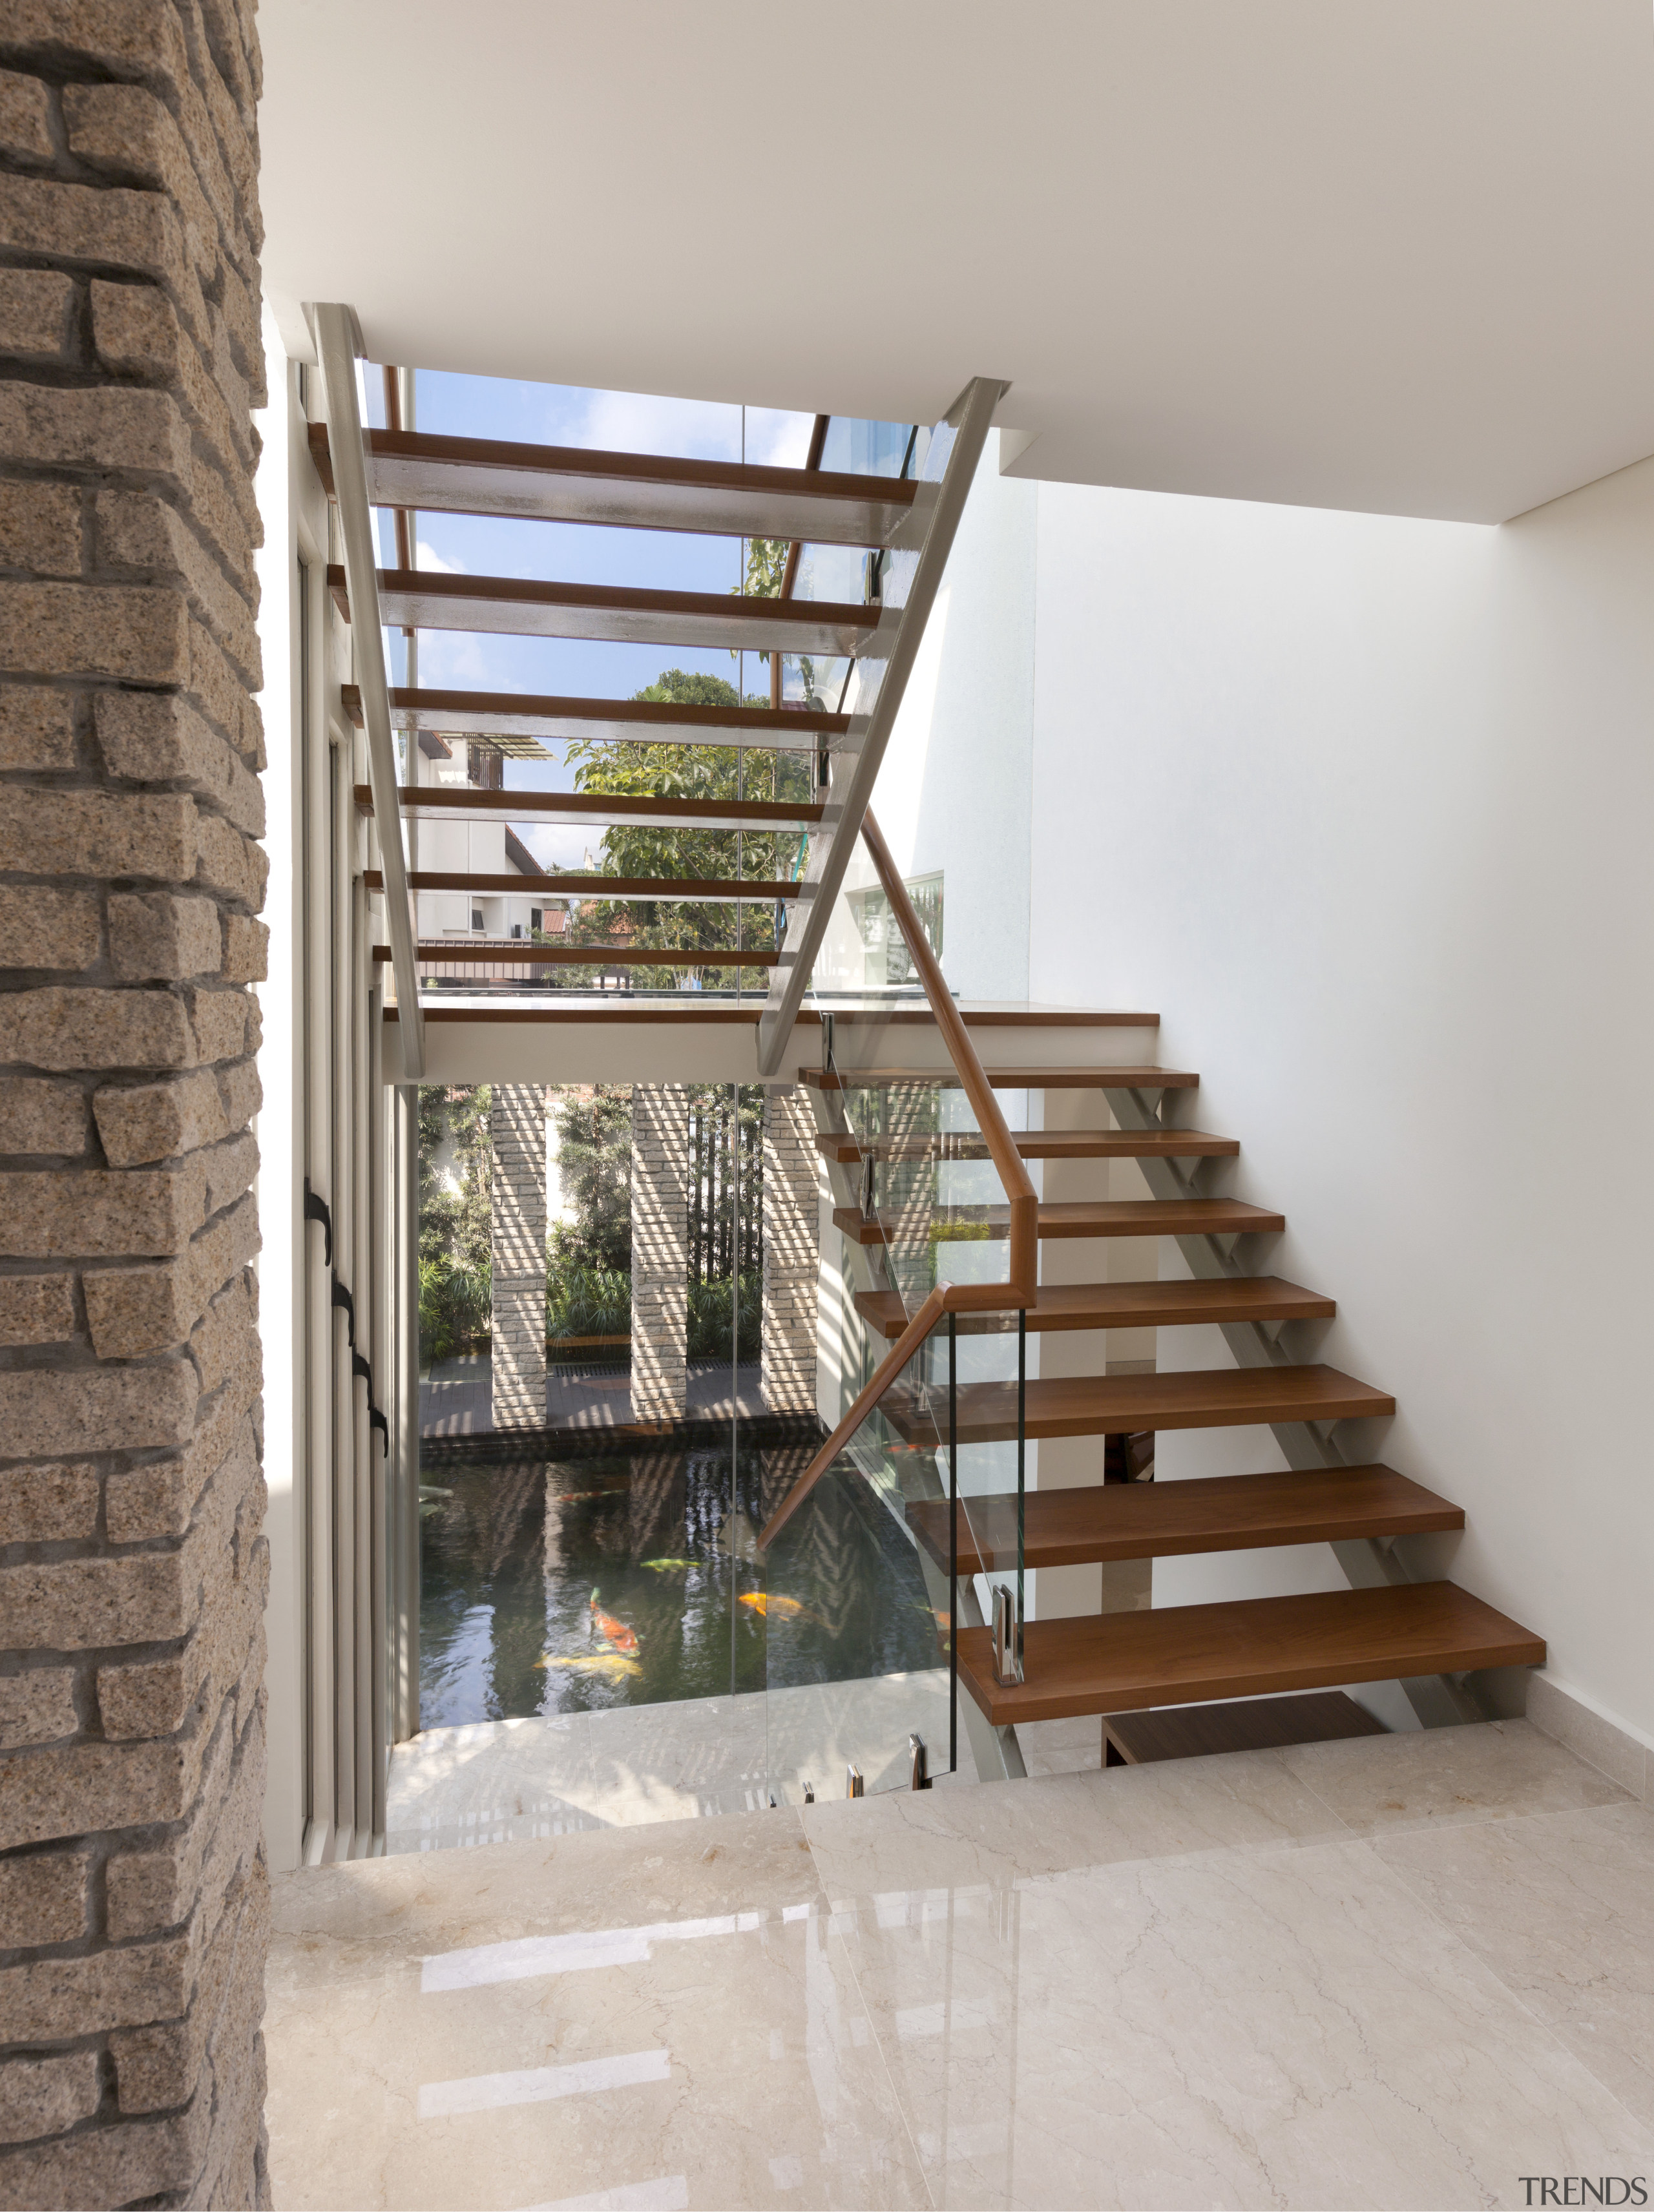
<point x="36" y="1309"/>
<point x="43" y="1897"/>
<point x="661" y="1168"/>
<point x="39" y="1116"/>
<point x="792" y="1240"/>
<point x="34" y="310"/>
<point x="43" y="929"/>
<point x="37" y="1707"/>
<point x="48" y="1504"/>
<point x="133" y="1570"/>
<point x="43" y="2096"/>
<point x="37" y="727"/>
<point x="517" y="1136"/>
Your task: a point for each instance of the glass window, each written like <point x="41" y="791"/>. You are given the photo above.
<point x="886" y="963"/>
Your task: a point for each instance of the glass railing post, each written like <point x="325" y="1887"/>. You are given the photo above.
<point x="953" y="1543"/>
<point x="1022" y="1435"/>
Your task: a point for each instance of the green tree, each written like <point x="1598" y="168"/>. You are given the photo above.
<point x="455" y="1226"/>
<point x="594" y="1163"/>
<point x="636" y="767"/>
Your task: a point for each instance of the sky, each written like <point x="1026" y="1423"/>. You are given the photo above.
<point x="661" y="560"/>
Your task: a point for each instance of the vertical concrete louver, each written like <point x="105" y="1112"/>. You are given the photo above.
<point x="792" y="1240"/>
<point x="132" y="1571"/>
<point x="516" y="1127"/>
<point x="659" y="1251"/>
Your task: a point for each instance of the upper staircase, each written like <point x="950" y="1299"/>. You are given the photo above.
<point x="852" y="657"/>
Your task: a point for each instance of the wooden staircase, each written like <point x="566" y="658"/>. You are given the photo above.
<point x="1424" y="1634"/>
<point x="1384" y="1627"/>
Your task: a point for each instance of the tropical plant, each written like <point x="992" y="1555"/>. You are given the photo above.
<point x="455" y="1226"/>
<point x="455" y="1304"/>
<point x="709" y="1319"/>
<point x="586" y="1301"/>
<point x="594" y="1164"/>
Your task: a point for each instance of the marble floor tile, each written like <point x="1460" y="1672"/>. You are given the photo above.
<point x="510" y="1781"/>
<point x="1489" y="1770"/>
<point x="1561" y="1907"/>
<point x="650" y="2016"/>
<point x="359" y="1914"/>
<point x="514" y="1781"/>
<point x="1003" y="1831"/>
<point x="1238" y="2027"/>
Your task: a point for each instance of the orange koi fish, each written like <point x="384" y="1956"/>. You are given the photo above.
<point x="764" y="1602"/>
<point x="613" y="1631"/>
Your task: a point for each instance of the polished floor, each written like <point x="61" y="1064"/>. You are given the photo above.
<point x="1405" y="1971"/>
<point x="497" y="1782"/>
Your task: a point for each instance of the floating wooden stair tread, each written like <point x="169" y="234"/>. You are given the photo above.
<point x="1165" y="1520"/>
<point x="534" y="714"/>
<point x="1115" y="1404"/>
<point x="1086" y="1217"/>
<point x="525" y="606"/>
<point x="523" y="952"/>
<point x="1004" y="1079"/>
<point x="625" y="491"/>
<point x="1243" y="1724"/>
<point x="722" y="889"/>
<point x="1128" y="1305"/>
<point x="1252" y="1647"/>
<point x="1033" y="1145"/>
<point x="446" y="801"/>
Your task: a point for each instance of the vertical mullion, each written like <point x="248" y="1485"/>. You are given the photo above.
<point x="344" y="1270"/>
<point x="364" y="1283"/>
<point x="316" y="905"/>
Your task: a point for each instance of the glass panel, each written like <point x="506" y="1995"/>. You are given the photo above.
<point x="481" y="944"/>
<point x="919" y="1214"/>
<point x="930" y="1208"/>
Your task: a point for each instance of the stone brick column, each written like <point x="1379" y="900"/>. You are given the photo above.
<point x="516" y="1130"/>
<point x="792" y="1253"/>
<point x="133" y="1892"/>
<point x="659" y="1251"/>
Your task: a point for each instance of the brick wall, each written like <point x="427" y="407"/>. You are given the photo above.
<point x="659" y="1251"/>
<point x="516" y="1128"/>
<point x="792" y="1252"/>
<point x="132" y="1571"/>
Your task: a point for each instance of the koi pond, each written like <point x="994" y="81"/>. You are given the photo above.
<point x="632" y="1577"/>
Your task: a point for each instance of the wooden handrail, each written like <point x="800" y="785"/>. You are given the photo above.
<point x="1022" y="1290"/>
<point x="1022" y="1287"/>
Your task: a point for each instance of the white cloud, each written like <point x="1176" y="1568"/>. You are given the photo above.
<point x="557" y="846"/>
<point x="454" y="661"/>
<point x="776" y="440"/>
<point x="429" y="557"/>
<point x="638" y="423"/>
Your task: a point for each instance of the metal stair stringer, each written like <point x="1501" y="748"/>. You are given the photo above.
<point x="917" y="558"/>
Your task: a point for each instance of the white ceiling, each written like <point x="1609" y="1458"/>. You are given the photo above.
<point x="1395" y="255"/>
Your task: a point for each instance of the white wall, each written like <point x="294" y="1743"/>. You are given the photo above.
<point x="1363" y="807"/>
